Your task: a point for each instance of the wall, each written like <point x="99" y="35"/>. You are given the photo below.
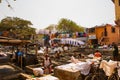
<point x="117" y="9"/>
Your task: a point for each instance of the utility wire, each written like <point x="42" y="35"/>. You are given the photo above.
<point x="9" y="5"/>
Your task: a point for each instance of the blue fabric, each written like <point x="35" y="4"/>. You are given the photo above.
<point x="0" y="33"/>
<point x="19" y="53"/>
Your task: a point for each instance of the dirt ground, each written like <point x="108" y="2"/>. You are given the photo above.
<point x="64" y="57"/>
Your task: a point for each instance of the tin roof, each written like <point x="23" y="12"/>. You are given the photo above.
<point x="12" y="41"/>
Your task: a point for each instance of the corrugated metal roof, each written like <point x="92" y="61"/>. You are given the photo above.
<point x="12" y="41"/>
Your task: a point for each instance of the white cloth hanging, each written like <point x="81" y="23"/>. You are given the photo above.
<point x="108" y="67"/>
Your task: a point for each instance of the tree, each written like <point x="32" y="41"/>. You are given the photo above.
<point x="50" y="27"/>
<point x="66" y="25"/>
<point x="18" y="26"/>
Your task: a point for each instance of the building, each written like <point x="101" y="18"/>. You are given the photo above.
<point x="117" y="11"/>
<point x="105" y="34"/>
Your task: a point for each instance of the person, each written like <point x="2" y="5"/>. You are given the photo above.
<point x="57" y="54"/>
<point x="20" y="57"/>
<point x="16" y="55"/>
<point x="46" y="50"/>
<point x="97" y="54"/>
<point x="47" y="64"/>
<point x="115" y="52"/>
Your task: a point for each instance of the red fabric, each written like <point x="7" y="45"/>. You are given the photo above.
<point x="97" y="54"/>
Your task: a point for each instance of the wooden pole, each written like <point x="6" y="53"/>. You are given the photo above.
<point x="21" y="56"/>
<point x="21" y="61"/>
<point x="36" y="49"/>
<point x="26" y="48"/>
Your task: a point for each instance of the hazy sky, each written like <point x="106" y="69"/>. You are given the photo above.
<point x="42" y="13"/>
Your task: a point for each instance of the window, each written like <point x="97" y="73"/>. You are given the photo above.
<point x="105" y="32"/>
<point x="112" y="29"/>
<point x="92" y="30"/>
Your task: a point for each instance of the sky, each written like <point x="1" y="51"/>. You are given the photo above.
<point x="42" y="13"/>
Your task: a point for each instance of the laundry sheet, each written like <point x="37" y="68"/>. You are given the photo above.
<point x="108" y="66"/>
<point x="83" y="67"/>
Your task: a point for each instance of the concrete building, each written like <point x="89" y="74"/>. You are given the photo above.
<point x="104" y="34"/>
<point x="117" y="11"/>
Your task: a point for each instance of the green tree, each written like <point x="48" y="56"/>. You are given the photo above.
<point x="19" y="26"/>
<point x="50" y="27"/>
<point x="66" y="25"/>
